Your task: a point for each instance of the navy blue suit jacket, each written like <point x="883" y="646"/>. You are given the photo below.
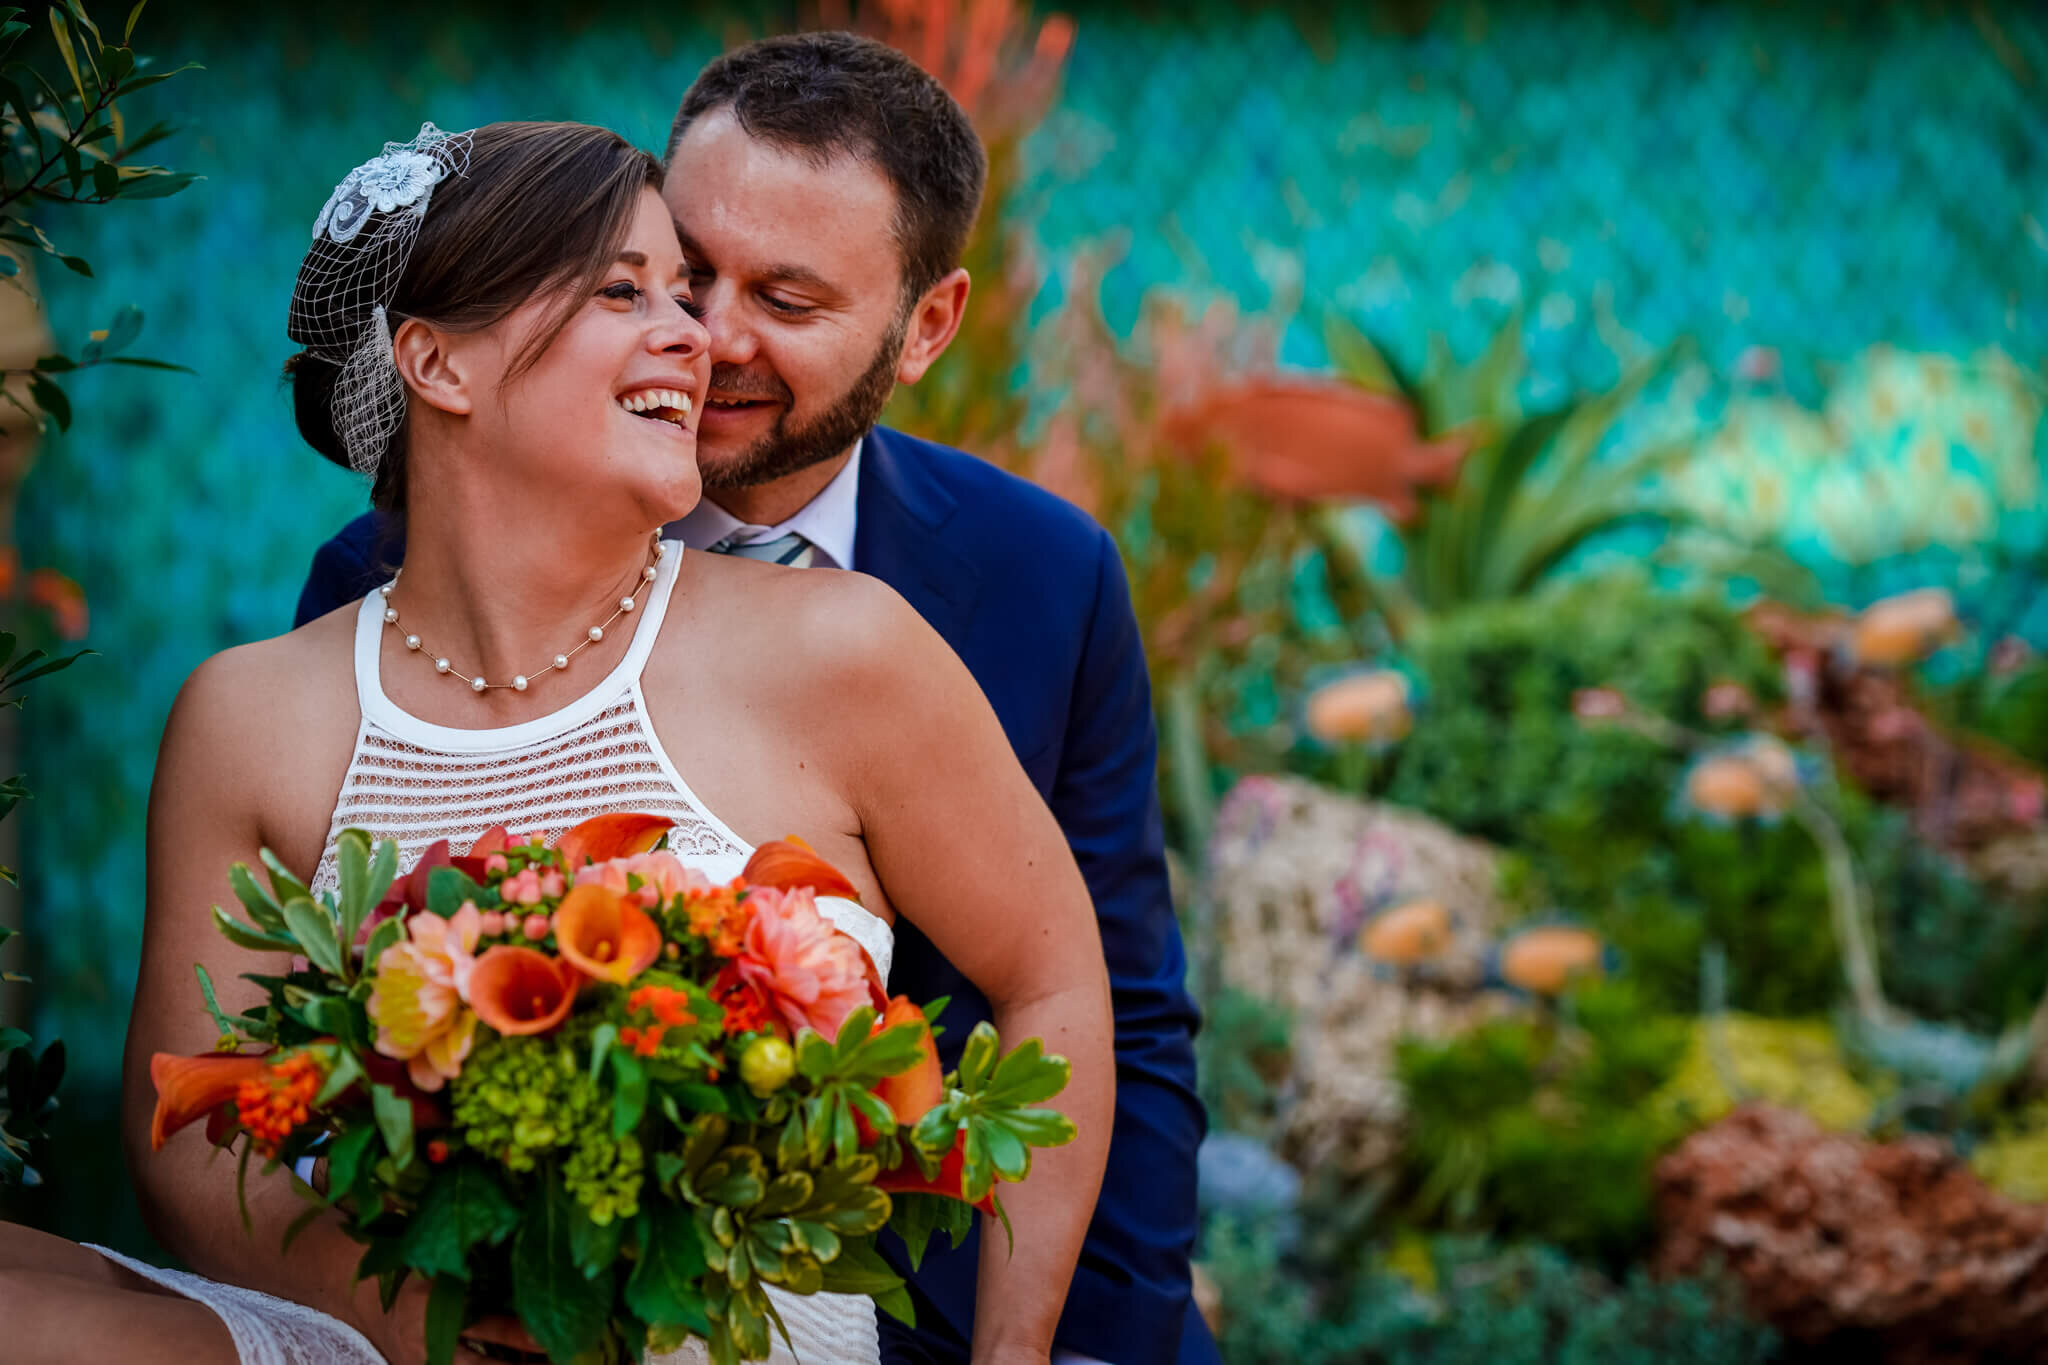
<point x="1031" y="594"/>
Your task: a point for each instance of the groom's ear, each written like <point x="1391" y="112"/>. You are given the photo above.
<point x="431" y="366"/>
<point x="934" y="322"/>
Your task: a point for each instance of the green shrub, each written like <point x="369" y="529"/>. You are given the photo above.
<point x="1490" y="1306"/>
<point x="1541" y="1128"/>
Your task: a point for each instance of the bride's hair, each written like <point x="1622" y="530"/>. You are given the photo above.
<point x="542" y="208"/>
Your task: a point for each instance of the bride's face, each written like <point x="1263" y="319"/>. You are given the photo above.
<point x="611" y="406"/>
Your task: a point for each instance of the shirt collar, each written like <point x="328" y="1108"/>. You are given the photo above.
<point x="827" y="521"/>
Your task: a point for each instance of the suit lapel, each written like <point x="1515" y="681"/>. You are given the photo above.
<point x="899" y="533"/>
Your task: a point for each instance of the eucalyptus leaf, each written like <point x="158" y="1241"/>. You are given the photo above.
<point x="394" y="1120"/>
<point x="314" y="929"/>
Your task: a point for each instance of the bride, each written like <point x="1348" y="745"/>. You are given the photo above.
<point x="498" y="329"/>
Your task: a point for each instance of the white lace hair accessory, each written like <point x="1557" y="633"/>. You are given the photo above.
<point x="361" y="243"/>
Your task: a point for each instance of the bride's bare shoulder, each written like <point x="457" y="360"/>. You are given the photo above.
<point x="284" y="692"/>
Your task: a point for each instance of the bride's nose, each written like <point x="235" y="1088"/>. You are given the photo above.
<point x="678" y="333"/>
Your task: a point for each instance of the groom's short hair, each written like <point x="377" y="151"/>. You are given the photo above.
<point x="830" y="94"/>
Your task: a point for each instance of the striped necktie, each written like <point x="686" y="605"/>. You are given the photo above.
<point x="791" y="549"/>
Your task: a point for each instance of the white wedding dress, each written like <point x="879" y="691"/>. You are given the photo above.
<point x="417" y="783"/>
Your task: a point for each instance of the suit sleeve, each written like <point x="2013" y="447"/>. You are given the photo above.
<point x="1131" y="1292"/>
<point x="341" y="574"/>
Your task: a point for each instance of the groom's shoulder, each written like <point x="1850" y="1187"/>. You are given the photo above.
<point x="996" y="508"/>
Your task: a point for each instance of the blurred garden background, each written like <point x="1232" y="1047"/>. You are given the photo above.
<point x="1579" y="467"/>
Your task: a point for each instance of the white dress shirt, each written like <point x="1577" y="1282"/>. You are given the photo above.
<point x="826" y="521"/>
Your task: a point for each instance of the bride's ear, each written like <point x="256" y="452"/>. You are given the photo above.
<point x="432" y="367"/>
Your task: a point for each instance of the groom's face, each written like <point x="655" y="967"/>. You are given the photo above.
<point x="798" y="272"/>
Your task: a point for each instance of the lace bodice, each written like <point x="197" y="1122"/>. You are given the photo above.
<point x="415" y="782"/>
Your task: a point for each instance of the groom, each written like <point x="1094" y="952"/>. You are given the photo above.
<point x="824" y="187"/>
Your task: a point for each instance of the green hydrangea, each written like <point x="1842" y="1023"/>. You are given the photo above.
<point x="518" y="1099"/>
<point x="604" y="1174"/>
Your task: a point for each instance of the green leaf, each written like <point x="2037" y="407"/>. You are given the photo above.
<point x="447" y="1311"/>
<point x="464" y="1206"/>
<point x="385" y="935"/>
<point x="50" y="399"/>
<point x="663" y="1287"/>
<point x="153" y="182"/>
<point x="448" y="888"/>
<point x="128" y="31"/>
<point x="1040" y="1127"/>
<point x="564" y="1309"/>
<point x="347" y="1071"/>
<point x="594" y="1245"/>
<point x="915" y="1217"/>
<point x="629" y="1100"/>
<point x="62" y="31"/>
<point x="11" y="1038"/>
<point x="140" y="363"/>
<point x="242" y="936"/>
<point x="312" y="926"/>
<point x="860" y="1269"/>
<point x="1006" y="1151"/>
<point x="287" y="886"/>
<point x="394" y="1120"/>
<point x="263" y="911"/>
<point x="352" y="866"/>
<point x="978" y="1057"/>
<point x="344" y="1160"/>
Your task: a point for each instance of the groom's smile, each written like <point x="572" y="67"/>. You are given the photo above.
<point x="796" y="267"/>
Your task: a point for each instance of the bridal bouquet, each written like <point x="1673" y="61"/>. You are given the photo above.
<point x="588" y="1086"/>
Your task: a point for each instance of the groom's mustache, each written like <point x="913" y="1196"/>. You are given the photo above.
<point x="731" y="383"/>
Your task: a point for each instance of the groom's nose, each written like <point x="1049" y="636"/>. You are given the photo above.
<point x="731" y="341"/>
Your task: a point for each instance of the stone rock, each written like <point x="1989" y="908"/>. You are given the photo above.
<point x="1298" y="871"/>
<point x="1895" y="1250"/>
<point x="1240" y="1175"/>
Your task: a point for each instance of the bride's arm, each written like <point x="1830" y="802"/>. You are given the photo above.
<point x="228" y="763"/>
<point x="965" y="848"/>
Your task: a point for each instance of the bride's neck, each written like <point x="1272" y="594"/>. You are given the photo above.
<point x="502" y="583"/>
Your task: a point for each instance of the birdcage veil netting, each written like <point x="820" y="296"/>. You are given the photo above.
<point x="361" y="244"/>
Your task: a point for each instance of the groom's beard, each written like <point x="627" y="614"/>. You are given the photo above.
<point x="787" y="449"/>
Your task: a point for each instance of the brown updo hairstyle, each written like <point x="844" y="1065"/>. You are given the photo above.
<point x="542" y="208"/>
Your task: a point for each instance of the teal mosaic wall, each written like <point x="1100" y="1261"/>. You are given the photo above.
<point x="1764" y="181"/>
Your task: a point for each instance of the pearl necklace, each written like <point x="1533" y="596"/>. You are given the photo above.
<point x="520" y="681"/>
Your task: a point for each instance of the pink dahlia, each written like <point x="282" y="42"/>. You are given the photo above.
<point x="419" y="998"/>
<point x="812" y="975"/>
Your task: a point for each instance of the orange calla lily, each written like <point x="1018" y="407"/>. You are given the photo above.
<point x="951" y="1181"/>
<point x="189" y="1088"/>
<point x="912" y="1094"/>
<point x="604" y="837"/>
<point x="604" y="935"/>
<point x="786" y="864"/>
<point x="520" y="990"/>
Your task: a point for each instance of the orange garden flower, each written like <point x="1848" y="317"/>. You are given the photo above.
<point x="811" y="974"/>
<point x="786" y="864"/>
<point x="912" y="1094"/>
<point x="670" y="1008"/>
<point x="273" y="1105"/>
<point x="604" y="837"/>
<point x="745" y="1007"/>
<point x="604" y="935"/>
<point x="719" y="915"/>
<point x="418" y="996"/>
<point x="188" y="1088"/>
